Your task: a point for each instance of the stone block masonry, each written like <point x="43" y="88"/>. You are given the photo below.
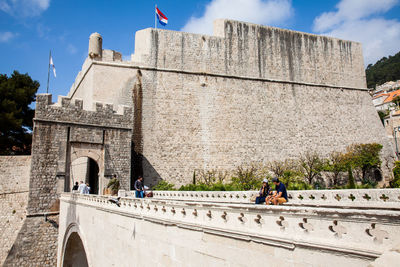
<point x="14" y="185"/>
<point x="36" y="243"/>
<point x="249" y="94"/>
<point x="62" y="132"/>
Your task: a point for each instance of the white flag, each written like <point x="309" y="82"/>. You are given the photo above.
<point x="52" y="65"/>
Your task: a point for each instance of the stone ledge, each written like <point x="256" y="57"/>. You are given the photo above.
<point x="340" y="231"/>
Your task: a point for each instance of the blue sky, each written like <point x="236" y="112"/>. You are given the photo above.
<point x="30" y="28"/>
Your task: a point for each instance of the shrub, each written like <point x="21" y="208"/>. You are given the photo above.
<point x="164" y="186"/>
<point x="364" y="157"/>
<point x="352" y="183"/>
<point x="245" y="178"/>
<point x="113" y="184"/>
<point x="311" y="165"/>
<point x="395" y="183"/>
<point x="335" y="165"/>
<point x="278" y="168"/>
<point x="292" y="179"/>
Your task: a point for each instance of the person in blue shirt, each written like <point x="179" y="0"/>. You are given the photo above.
<point x="280" y="196"/>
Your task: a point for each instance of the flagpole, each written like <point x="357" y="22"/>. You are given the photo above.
<point x="48" y="74"/>
<point x="155" y="17"/>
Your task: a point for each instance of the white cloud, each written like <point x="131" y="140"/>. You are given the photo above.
<point x="359" y="20"/>
<point x="6" y="36"/>
<point x="351" y="10"/>
<point x="71" y="49"/>
<point x="24" y="8"/>
<point x="255" y="11"/>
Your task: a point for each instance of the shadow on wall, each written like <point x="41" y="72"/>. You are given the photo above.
<point x="140" y="166"/>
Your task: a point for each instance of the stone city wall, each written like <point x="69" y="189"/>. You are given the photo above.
<point x="191" y="122"/>
<point x="64" y="132"/>
<point x="36" y="243"/>
<point x="250" y="50"/>
<point x="14" y="185"/>
<point x="249" y="94"/>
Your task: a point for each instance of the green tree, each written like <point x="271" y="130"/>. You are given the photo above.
<point x="164" y="186"/>
<point x="384" y="70"/>
<point x="311" y="165"/>
<point x="336" y="164"/>
<point x="395" y="183"/>
<point x="17" y="92"/>
<point x="352" y="183"/>
<point x="364" y="157"/>
<point x="382" y="114"/>
<point x="396" y="101"/>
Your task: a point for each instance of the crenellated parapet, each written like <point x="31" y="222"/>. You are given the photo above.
<point x="69" y="110"/>
<point x="65" y="131"/>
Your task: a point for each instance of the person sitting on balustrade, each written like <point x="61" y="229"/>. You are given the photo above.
<point x="279" y="196"/>
<point x="264" y="192"/>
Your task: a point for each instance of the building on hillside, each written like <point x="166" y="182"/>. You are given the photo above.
<point x="384" y="101"/>
<point x="392" y="127"/>
<point x="384" y="94"/>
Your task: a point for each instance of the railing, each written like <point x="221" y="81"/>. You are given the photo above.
<point x="387" y="198"/>
<point x="362" y="233"/>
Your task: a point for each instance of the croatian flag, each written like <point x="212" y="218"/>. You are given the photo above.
<point x="161" y="17"/>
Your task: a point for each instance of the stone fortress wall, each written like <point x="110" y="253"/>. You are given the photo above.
<point x="64" y="131"/>
<point x="249" y="93"/>
<point x="14" y="186"/>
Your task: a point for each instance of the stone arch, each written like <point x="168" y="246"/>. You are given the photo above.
<point x="73" y="249"/>
<point x="93" y="152"/>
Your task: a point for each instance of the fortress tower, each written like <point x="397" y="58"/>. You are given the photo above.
<point x="249" y="93"/>
<point x="184" y="102"/>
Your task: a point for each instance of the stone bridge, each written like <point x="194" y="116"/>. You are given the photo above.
<point x="316" y="228"/>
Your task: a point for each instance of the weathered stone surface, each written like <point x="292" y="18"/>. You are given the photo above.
<point x="64" y="132"/>
<point x="14" y="185"/>
<point x="249" y="93"/>
<point x="159" y="233"/>
<point x="36" y="243"/>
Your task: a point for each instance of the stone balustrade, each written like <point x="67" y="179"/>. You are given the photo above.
<point x="372" y="198"/>
<point x="356" y="233"/>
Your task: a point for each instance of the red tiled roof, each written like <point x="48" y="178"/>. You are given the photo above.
<point x="391" y="96"/>
<point x="382" y="94"/>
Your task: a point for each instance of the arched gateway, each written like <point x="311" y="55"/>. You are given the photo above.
<point x="65" y="132"/>
<point x="74" y="252"/>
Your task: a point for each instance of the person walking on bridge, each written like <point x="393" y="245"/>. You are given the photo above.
<point x="139" y="187"/>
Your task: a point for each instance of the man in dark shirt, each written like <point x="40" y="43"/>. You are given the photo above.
<point x="75" y="187"/>
<point x="139" y="187"/>
<point x="280" y="195"/>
